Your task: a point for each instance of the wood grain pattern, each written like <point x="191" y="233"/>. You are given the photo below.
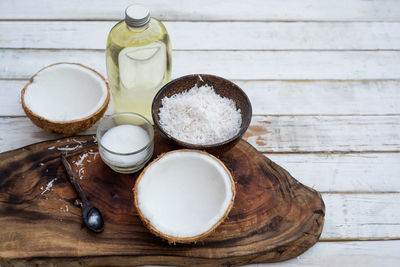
<point x="345" y="173"/>
<point x="281" y="134"/>
<point x="224" y="35"/>
<point x="280" y="97"/>
<point x="324" y="133"/>
<point x="248" y="65"/>
<point x="274" y="217"/>
<point x="382" y="225"/>
<point x="361" y="186"/>
<point x="265" y="10"/>
<point x="354" y="253"/>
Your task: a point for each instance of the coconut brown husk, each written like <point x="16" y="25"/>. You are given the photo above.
<point x="174" y="239"/>
<point x="67" y="127"/>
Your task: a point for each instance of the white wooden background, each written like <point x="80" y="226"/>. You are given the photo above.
<point x="323" y="78"/>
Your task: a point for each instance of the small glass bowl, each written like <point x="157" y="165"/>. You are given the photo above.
<point x="125" y="162"/>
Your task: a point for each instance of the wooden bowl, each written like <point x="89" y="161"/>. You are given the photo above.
<point x="222" y="87"/>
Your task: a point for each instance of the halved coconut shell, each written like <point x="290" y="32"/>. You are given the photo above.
<point x="66" y="112"/>
<point x="184" y="195"/>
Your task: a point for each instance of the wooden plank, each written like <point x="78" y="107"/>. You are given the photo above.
<point x="353" y="172"/>
<point x="269" y="133"/>
<point x="281" y="97"/>
<point x="10" y="100"/>
<point x="210" y="35"/>
<point x="249" y="65"/>
<point x="324" y="133"/>
<point x="339" y="254"/>
<point x="361" y="216"/>
<point x="271" y="10"/>
<point x="323" y="97"/>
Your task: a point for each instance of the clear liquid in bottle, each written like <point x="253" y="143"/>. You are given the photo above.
<point x="138" y="58"/>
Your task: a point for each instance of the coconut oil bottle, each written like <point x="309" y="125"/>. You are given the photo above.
<point x="138" y="60"/>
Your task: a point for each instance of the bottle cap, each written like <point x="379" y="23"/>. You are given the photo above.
<point x="137" y="16"/>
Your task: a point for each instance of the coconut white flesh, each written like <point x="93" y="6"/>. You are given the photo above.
<point x="65" y="92"/>
<point x="184" y="194"/>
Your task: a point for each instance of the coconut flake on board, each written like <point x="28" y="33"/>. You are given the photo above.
<point x="93" y="153"/>
<point x="81" y="159"/>
<point x="68" y="148"/>
<point x="200" y="116"/>
<point x="48" y="186"/>
<point x="72" y="148"/>
<point x="86" y="157"/>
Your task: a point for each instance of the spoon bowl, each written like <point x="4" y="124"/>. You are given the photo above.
<point x="93" y="219"/>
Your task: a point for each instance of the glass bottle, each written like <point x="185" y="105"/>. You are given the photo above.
<point x="138" y="60"/>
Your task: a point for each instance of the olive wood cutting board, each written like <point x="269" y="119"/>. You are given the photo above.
<point x="274" y="217"/>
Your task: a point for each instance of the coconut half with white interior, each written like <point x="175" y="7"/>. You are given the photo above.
<point x="183" y="195"/>
<point x="65" y="98"/>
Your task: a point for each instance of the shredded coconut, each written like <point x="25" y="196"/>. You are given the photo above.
<point x="81" y="172"/>
<point x="93" y="153"/>
<point x="48" y="186"/>
<point x="200" y="116"/>
<point x="86" y="157"/>
<point x="68" y="148"/>
<point x="81" y="159"/>
<point x="79" y="142"/>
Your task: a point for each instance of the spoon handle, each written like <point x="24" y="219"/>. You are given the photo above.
<point x="74" y="180"/>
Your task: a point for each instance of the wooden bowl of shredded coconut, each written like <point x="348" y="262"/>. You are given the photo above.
<point x="202" y="111"/>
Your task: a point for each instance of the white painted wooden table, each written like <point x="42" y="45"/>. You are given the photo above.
<point x="323" y="78"/>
